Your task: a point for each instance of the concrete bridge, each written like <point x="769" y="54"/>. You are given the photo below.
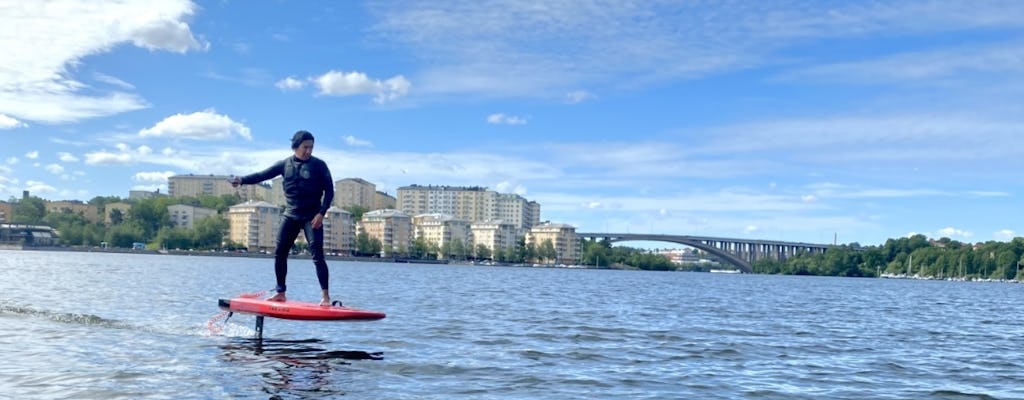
<point x="738" y="252"/>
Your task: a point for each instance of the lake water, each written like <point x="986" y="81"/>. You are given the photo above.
<point x="108" y="326"/>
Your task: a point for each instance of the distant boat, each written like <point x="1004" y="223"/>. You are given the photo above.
<point x="725" y="271"/>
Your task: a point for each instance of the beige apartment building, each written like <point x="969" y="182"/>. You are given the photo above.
<point x="6" y="212"/>
<point x="562" y="236"/>
<point x="185" y="216"/>
<point x="355" y="192"/>
<point x="392" y="227"/>
<point x="473" y="204"/>
<point x="495" y="234"/>
<point x="383" y="200"/>
<point x="214" y="185"/>
<point x="339" y="232"/>
<point x="89" y="211"/>
<point x="254" y="224"/>
<point x="444" y="231"/>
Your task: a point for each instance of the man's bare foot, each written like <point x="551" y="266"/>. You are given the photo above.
<point x="325" y="301"/>
<point x="278" y="297"/>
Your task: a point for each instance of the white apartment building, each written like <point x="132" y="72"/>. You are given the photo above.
<point x="355" y="192"/>
<point x="473" y="204"/>
<point x="495" y="234"/>
<point x="254" y="224"/>
<point x="442" y="230"/>
<point x="213" y="185"/>
<point x="339" y="231"/>
<point x="562" y="236"/>
<point x="185" y="216"/>
<point x="392" y="227"/>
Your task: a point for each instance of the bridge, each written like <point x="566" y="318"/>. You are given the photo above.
<point x="738" y="252"/>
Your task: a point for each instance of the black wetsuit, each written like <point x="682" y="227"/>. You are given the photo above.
<point x="308" y="191"/>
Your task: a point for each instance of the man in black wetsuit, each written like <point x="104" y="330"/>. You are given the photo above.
<point x="309" y="190"/>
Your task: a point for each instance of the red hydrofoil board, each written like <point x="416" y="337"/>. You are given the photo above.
<point x="298" y="310"/>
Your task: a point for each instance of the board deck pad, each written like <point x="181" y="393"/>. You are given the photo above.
<point x="297" y="310"/>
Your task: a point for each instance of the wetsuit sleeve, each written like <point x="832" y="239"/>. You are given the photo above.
<point x="269" y="173"/>
<point x="328" y="183"/>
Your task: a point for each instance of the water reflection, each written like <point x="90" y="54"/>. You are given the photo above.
<point x="296" y="368"/>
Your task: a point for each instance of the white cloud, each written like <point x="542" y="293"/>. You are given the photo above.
<point x="502" y="119"/>
<point x="159" y="177"/>
<point x="578" y="96"/>
<point x="52" y="39"/>
<point x="1004" y="235"/>
<point x="356" y="142"/>
<point x="39" y="187"/>
<point x="338" y="83"/>
<point x="10" y="123"/>
<point x="202" y="125"/>
<point x="101" y="77"/>
<point x="12" y="160"/>
<point x="32" y="155"/>
<point x="55" y="169"/>
<point x="808" y="198"/>
<point x="952" y="232"/>
<point x="104" y="157"/>
<point x="67" y="157"/>
<point x="290" y="83"/>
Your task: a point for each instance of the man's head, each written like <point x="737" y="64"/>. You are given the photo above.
<point x="302" y="143"/>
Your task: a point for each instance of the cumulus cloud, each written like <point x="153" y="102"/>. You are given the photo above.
<point x="160" y="177"/>
<point x="202" y="125"/>
<point x="52" y="39"/>
<point x="339" y="83"/>
<point x="32" y="155"/>
<point x="104" y="157"/>
<point x="67" y="157"/>
<point x="951" y="232"/>
<point x="578" y="96"/>
<point x="55" y="169"/>
<point x="356" y="142"/>
<point x="502" y="119"/>
<point x="39" y="187"/>
<point x="1004" y="235"/>
<point x="290" y="83"/>
<point x="10" y="123"/>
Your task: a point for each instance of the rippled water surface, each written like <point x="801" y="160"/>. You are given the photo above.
<point x="105" y="326"/>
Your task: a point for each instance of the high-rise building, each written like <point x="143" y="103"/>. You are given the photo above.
<point x="355" y="192"/>
<point x="383" y="200"/>
<point x="254" y="224"/>
<point x="449" y="234"/>
<point x="563" y="238"/>
<point x="473" y="204"/>
<point x="214" y="185"/>
<point x="392" y="227"/>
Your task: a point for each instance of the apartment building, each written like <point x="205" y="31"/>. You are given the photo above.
<point x="6" y="212"/>
<point x="473" y="204"/>
<point x="355" y="192"/>
<point x="144" y="194"/>
<point x="214" y="185"/>
<point x="339" y="231"/>
<point x="185" y="216"/>
<point x="254" y="224"/>
<point x="445" y="231"/>
<point x="383" y="200"/>
<point x="114" y="208"/>
<point x="392" y="227"/>
<point x="562" y="236"/>
<point x="495" y="234"/>
<point x="90" y="212"/>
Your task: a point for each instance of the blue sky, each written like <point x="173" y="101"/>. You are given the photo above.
<point x="779" y="120"/>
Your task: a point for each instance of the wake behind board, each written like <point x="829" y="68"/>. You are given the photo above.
<point x="296" y="310"/>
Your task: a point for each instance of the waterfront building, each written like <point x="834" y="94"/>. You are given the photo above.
<point x="185" y="216"/>
<point x="6" y="212"/>
<point x="392" y="227"/>
<point x="339" y="231"/>
<point x="562" y="236"/>
<point x="446" y="232"/>
<point x="254" y="224"/>
<point x="473" y="204"/>
<point x="214" y="185"/>
<point x="119" y="207"/>
<point x="497" y="235"/>
<point x="275" y="195"/>
<point x="90" y="212"/>
<point x="144" y="194"/>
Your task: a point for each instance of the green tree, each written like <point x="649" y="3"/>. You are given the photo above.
<point x="209" y="233"/>
<point x="482" y="252"/>
<point x="546" y="251"/>
<point x="30" y="211"/>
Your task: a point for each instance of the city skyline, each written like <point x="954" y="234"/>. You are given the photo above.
<point x="777" y="120"/>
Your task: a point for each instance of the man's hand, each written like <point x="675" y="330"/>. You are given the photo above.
<point x="318" y="221"/>
<point x="235" y="181"/>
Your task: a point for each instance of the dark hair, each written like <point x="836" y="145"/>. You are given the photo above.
<point x="301" y="136"/>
